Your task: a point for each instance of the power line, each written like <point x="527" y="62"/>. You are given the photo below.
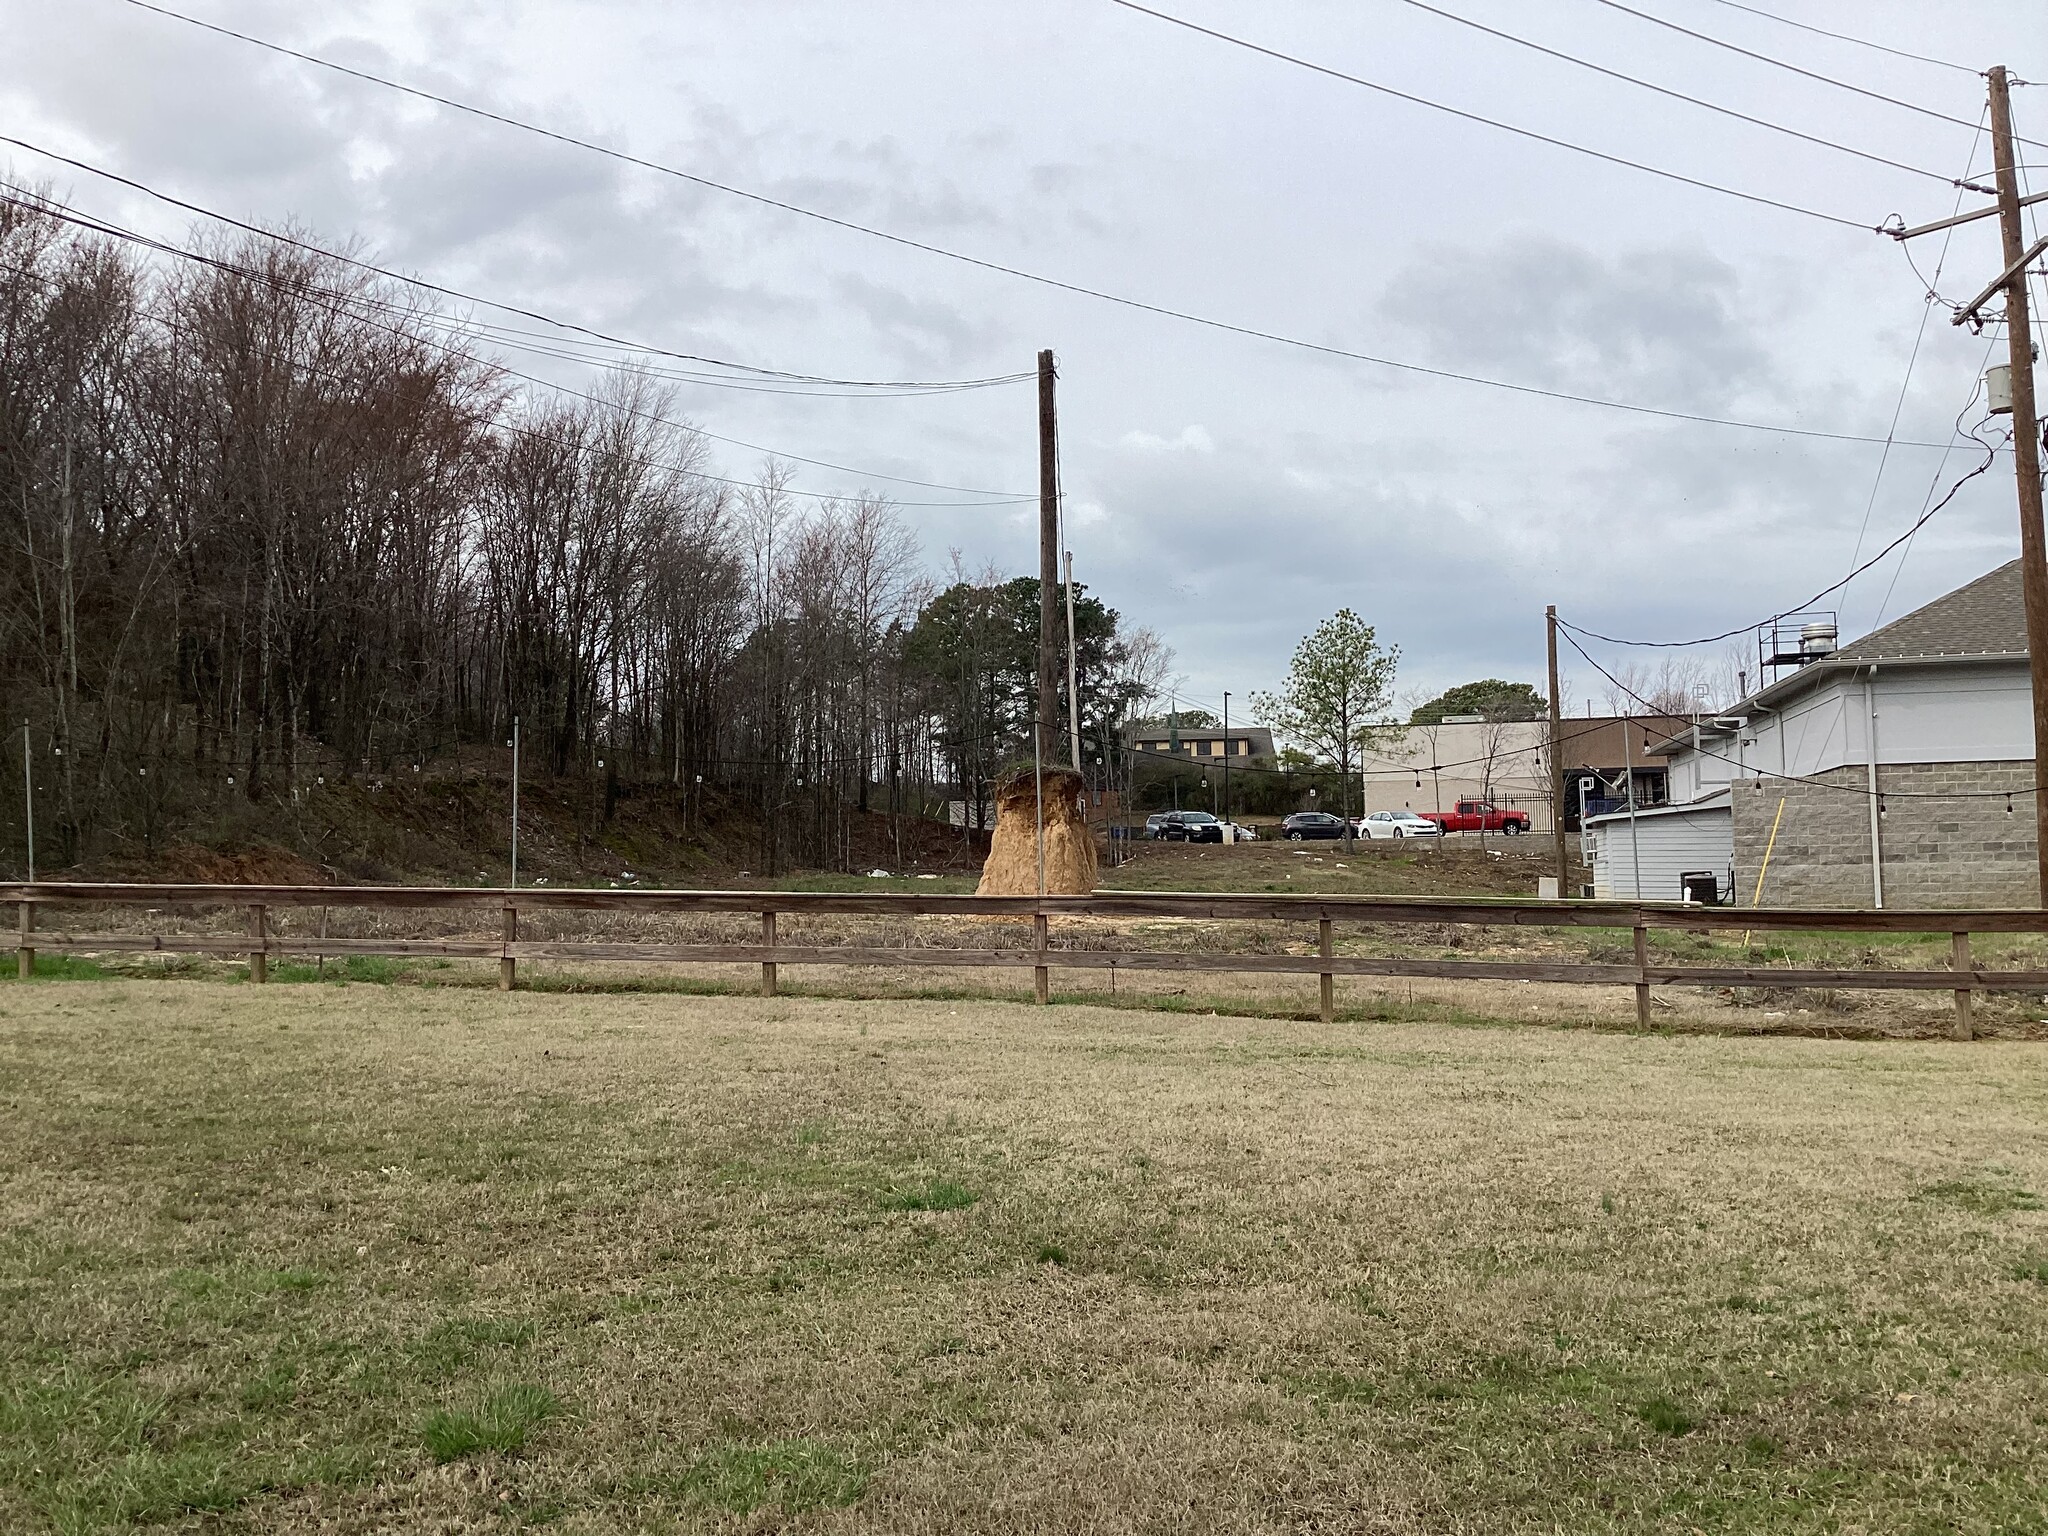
<point x="1843" y="37"/>
<point x="987" y="265"/>
<point x="1474" y="117"/>
<point x="912" y="385"/>
<point x="1003" y="497"/>
<point x="1765" y="58"/>
<point x="1744" y="117"/>
<point x="1933" y="485"/>
<point x="1990" y="456"/>
<point x="1880" y="795"/>
<point x="333" y="302"/>
<point x="1913" y="357"/>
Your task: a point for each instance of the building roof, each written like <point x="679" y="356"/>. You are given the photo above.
<point x="1717" y="800"/>
<point x="1985" y="618"/>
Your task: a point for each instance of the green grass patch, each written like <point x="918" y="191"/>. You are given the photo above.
<point x="500" y="1423"/>
<point x="376" y="970"/>
<point x="457" y="1342"/>
<point x="794" y="1474"/>
<point x="1989" y="1195"/>
<point x="939" y="1195"/>
<point x="93" y="1454"/>
<point x="54" y="968"/>
<point x="1666" y="1417"/>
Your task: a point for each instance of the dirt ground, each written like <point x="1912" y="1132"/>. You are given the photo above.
<point x="435" y="1259"/>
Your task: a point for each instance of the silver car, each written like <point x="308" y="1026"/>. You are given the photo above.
<point x="1383" y="825"/>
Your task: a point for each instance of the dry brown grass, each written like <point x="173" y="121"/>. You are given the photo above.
<point x="941" y="1266"/>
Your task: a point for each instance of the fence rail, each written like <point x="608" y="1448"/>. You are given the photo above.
<point x="260" y="943"/>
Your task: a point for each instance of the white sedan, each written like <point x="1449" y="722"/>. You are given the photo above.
<point x="1381" y="825"/>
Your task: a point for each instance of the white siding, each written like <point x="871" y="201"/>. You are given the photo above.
<point x="1671" y="842"/>
<point x="1945" y="714"/>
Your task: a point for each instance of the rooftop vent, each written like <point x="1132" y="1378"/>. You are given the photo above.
<point x="1794" y="640"/>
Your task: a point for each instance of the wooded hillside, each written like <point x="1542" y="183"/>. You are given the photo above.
<point x="275" y="521"/>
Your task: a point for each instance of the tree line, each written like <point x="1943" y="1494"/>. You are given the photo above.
<point x="272" y="521"/>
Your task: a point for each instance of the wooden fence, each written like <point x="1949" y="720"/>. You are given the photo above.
<point x="259" y="942"/>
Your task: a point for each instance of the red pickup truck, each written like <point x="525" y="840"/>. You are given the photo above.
<point x="1480" y="816"/>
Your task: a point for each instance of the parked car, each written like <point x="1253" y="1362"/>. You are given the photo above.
<point x="1155" y="821"/>
<point x="1480" y="816"/>
<point x="1382" y="825"/>
<point x="1191" y="827"/>
<point x="1303" y="825"/>
<point x="1243" y="834"/>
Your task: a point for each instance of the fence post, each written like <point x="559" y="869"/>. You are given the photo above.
<point x="259" y="956"/>
<point x="1642" y="977"/>
<point x="1326" y="948"/>
<point x="1041" y="977"/>
<point x="25" y="954"/>
<point x="1959" y="959"/>
<point x="508" y="968"/>
<point x="768" y="966"/>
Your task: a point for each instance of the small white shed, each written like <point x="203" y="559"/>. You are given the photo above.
<point x="1666" y="842"/>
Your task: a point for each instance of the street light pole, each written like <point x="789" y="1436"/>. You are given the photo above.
<point x="515" y="802"/>
<point x="28" y="799"/>
<point x="1226" y="760"/>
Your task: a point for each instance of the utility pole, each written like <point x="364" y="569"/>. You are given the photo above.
<point x="1073" y="669"/>
<point x="1045" y="737"/>
<point x="2026" y="444"/>
<point x="1556" y="756"/>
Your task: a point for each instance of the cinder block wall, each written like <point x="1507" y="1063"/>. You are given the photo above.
<point x="1937" y="853"/>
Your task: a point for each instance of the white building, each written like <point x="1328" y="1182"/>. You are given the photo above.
<point x="1895" y="771"/>
<point x="1645" y="856"/>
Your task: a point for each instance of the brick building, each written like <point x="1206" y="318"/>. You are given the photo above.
<point x="1892" y="771"/>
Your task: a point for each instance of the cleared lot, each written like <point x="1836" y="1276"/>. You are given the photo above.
<point x="373" y="1258"/>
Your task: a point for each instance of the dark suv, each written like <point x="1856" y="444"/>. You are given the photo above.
<point x="1308" y="824"/>
<point x="1190" y="827"/>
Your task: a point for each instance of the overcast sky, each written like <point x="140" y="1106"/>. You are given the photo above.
<point x="1227" y="491"/>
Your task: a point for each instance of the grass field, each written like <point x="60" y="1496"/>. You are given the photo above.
<point x="318" y="1259"/>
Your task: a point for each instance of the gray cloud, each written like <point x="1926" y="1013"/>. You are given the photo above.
<point x="1226" y="491"/>
<point x="1665" y="326"/>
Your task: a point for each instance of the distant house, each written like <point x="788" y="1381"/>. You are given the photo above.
<point x="1895" y="771"/>
<point x="1204" y="745"/>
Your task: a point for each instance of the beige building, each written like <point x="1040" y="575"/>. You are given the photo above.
<point x="1433" y="767"/>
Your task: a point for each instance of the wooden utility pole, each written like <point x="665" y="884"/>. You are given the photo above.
<point x="2026" y="445"/>
<point x="1048" y="564"/>
<point x="1073" y="668"/>
<point x="1556" y="757"/>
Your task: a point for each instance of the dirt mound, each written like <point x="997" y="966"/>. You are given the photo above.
<point x="258" y="865"/>
<point x="1013" y="862"/>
